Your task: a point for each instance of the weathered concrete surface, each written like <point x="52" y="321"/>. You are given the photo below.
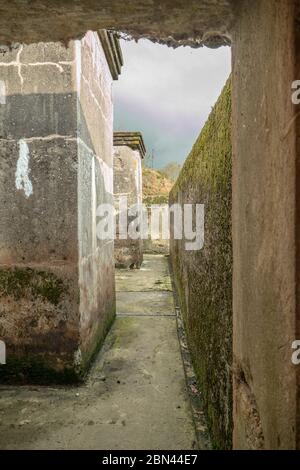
<point x="153" y="275"/>
<point x="145" y="303"/>
<point x="129" y="150"/>
<point x="57" y="278"/>
<point x="265" y="221"/>
<point x="135" y="397"/>
<point x="95" y="187"/>
<point x="181" y="22"/>
<point x="203" y="277"/>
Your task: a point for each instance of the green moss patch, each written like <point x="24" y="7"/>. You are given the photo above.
<point x="89" y="356"/>
<point x="29" y="283"/>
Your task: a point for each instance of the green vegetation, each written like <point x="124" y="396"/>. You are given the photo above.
<point x="15" y="282"/>
<point x="204" y="278"/>
<point x="207" y="162"/>
<point x="171" y="171"/>
<point x="156" y="187"/>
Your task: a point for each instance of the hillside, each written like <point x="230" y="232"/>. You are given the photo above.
<point x="171" y="171"/>
<point x="156" y="187"/>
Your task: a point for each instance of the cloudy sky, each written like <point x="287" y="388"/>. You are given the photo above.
<point x="167" y="94"/>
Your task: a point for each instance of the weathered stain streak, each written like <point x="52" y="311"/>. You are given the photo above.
<point x="22" y="172"/>
<point x="2" y="92"/>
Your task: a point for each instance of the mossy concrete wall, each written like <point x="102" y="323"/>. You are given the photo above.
<point x="56" y="278"/>
<point x="203" y="278"/>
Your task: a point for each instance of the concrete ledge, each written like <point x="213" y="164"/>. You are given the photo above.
<point x="112" y="51"/>
<point x="133" y="140"/>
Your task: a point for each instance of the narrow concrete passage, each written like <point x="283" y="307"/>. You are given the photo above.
<point x="135" y="397"/>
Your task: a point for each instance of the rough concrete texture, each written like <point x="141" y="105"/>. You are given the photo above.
<point x="57" y="279"/>
<point x="265" y="254"/>
<point x="154" y="303"/>
<point x="194" y="22"/>
<point x="95" y="187"/>
<point x="154" y="275"/>
<point x="135" y="396"/>
<point x="203" y="277"/>
<point x="127" y="184"/>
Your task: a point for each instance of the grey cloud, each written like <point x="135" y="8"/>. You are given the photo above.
<point x="167" y="94"/>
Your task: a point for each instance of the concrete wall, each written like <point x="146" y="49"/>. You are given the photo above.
<point x="194" y="22"/>
<point x="128" y="182"/>
<point x="265" y="226"/>
<point x="56" y="278"/>
<point x="203" y="278"/>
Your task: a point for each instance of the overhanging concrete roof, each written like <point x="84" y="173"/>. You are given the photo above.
<point x="180" y="22"/>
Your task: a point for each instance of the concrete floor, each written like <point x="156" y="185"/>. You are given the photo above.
<point x="135" y="396"/>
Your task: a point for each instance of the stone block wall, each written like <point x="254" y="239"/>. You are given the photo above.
<point x="56" y="278"/>
<point x="129" y="150"/>
<point x="203" y="278"/>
